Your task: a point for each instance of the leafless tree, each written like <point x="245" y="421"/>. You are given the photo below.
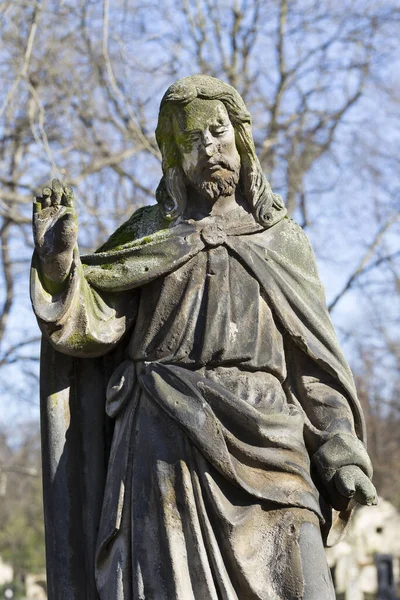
<point x="81" y="85"/>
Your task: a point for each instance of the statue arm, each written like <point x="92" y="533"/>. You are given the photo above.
<point x="78" y="319"/>
<point x="335" y="451"/>
<point x="75" y="317"/>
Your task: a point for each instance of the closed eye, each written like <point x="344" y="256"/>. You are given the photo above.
<point x="194" y="136"/>
<point x="219" y="131"/>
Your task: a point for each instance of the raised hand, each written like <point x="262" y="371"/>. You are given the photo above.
<point x="55" y="230"/>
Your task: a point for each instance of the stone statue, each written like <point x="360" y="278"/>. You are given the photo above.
<point x="202" y="436"/>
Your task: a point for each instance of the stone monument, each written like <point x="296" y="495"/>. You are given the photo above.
<point x="202" y="435"/>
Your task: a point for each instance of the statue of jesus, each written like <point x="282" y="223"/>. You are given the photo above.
<point x="202" y="437"/>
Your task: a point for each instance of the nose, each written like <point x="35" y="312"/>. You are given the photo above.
<point x="208" y="143"/>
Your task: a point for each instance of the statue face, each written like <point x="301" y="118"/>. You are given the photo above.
<point x="206" y="140"/>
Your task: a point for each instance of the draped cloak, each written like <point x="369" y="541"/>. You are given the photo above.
<point x="107" y="399"/>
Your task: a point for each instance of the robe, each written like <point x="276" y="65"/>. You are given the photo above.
<point x="229" y="409"/>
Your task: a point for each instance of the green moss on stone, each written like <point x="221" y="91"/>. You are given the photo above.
<point x="78" y="340"/>
<point x="142" y="224"/>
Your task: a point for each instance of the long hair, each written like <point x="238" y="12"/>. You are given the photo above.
<point x="171" y="191"/>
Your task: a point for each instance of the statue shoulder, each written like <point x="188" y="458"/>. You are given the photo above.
<point x="144" y="222"/>
<point x="289" y="240"/>
<point x="291" y="233"/>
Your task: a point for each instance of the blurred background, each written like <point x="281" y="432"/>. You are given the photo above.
<point x="81" y="85"/>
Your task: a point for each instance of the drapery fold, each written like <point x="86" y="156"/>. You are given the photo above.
<point x="91" y="321"/>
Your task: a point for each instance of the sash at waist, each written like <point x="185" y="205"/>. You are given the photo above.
<point x="259" y="389"/>
<point x="261" y="451"/>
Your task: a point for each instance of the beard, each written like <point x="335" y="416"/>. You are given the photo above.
<point x="219" y="184"/>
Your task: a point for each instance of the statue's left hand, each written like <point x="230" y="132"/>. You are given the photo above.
<point x="352" y="482"/>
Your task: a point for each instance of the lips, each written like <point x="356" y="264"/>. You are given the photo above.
<point x="217" y="166"/>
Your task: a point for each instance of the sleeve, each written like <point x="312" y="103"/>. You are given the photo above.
<point x="81" y="321"/>
<point x="329" y="431"/>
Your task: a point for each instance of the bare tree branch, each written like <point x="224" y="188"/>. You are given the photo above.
<point x="363" y="265"/>
<point x="7" y="276"/>
<point x="27" y="56"/>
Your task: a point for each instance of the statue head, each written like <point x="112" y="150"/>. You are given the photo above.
<point x="204" y="135"/>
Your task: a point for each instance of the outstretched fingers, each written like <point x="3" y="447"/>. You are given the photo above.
<point x="43" y="201"/>
<point x="46" y="197"/>
<point x="62" y="195"/>
<point x="37" y="205"/>
<point x="57" y="192"/>
<point x="57" y="195"/>
<point x="68" y="196"/>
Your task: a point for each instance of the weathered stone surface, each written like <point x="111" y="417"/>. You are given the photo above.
<point x="201" y="430"/>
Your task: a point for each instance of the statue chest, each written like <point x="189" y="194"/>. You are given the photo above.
<point x="210" y="311"/>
